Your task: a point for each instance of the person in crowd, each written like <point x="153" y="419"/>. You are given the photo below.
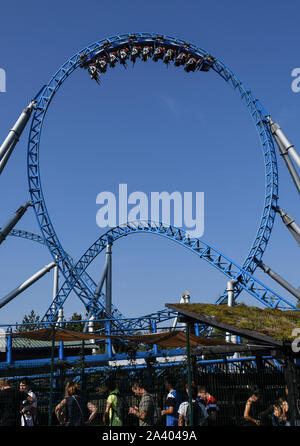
<point x="210" y="404"/>
<point x="110" y="416"/>
<point x="29" y="411"/>
<point x="283" y="400"/>
<point x="200" y="414"/>
<point x="172" y="403"/>
<point x="11" y="399"/>
<point x="251" y="417"/>
<point x="146" y="410"/>
<point x="278" y="415"/>
<point x="73" y="409"/>
<point x="284" y="410"/>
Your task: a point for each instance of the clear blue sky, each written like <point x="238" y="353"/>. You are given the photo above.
<point x="154" y="129"/>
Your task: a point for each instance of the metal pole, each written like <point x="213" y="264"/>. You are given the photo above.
<point x="185" y="299"/>
<point x="108" y="296"/>
<point x="61" y="351"/>
<point x="290" y="224"/>
<point x="26" y="284"/>
<point x="13" y="221"/>
<point x="9" y="347"/>
<point x="188" y="357"/>
<point x="279" y="279"/>
<point x="101" y="281"/>
<point x="230" y="303"/>
<point x="154" y="330"/>
<point x="7" y="155"/>
<point x="292" y="386"/>
<point x="291" y="168"/>
<point x="60" y="318"/>
<point x="51" y="376"/>
<point x="59" y="324"/>
<point x="83" y="383"/>
<point x="15" y="133"/>
<point x="55" y="285"/>
<point x="91" y="330"/>
<point x="108" y="342"/>
<point x="108" y="282"/>
<point x="283" y="149"/>
<point x="276" y="131"/>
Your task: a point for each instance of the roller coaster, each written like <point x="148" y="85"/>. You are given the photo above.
<point x="97" y="59"/>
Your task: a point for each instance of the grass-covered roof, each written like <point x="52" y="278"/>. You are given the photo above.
<point x="273" y="323"/>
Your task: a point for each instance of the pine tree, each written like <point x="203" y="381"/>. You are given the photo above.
<point x="32" y="319"/>
<point x="77" y="326"/>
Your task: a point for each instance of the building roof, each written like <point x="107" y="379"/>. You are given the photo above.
<point x="24" y="340"/>
<point x="264" y="325"/>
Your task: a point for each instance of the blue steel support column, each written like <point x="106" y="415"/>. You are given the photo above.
<point x="109" y="341"/>
<point x="9" y="347"/>
<point x="154" y="330"/>
<point x="61" y="351"/>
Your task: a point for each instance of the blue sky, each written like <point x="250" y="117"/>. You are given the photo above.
<point x="154" y="129"/>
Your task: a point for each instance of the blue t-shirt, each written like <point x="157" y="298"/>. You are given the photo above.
<point x="173" y="399"/>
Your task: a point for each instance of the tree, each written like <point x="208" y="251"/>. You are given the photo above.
<point x="32" y="319"/>
<point x="79" y="326"/>
<point x="76" y="326"/>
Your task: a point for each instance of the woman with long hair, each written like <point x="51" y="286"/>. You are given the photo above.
<point x="73" y="409"/>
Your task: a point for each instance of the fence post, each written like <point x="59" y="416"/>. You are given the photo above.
<point x="188" y="357"/>
<point x="291" y="382"/>
<point x="83" y="377"/>
<point x="51" y="376"/>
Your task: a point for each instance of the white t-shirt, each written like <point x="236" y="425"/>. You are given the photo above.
<point x="183" y="410"/>
<point x="27" y="419"/>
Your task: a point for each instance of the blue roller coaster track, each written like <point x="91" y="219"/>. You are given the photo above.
<point x="74" y="273"/>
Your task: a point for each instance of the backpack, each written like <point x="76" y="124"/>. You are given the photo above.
<point x="122" y="408"/>
<point x="156" y="413"/>
<point x="156" y="416"/>
<point x="198" y="414"/>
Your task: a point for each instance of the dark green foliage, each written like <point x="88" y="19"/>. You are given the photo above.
<point x="32" y="319"/>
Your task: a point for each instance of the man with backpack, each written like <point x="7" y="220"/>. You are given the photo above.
<point x="116" y="407"/>
<point x="199" y="412"/>
<point x="147" y="412"/>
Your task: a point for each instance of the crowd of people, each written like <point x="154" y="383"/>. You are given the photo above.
<point x="147" y="413"/>
<point x="279" y="410"/>
<point x="19" y="407"/>
<point x="204" y="410"/>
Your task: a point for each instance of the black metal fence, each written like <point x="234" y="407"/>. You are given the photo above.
<point x="231" y="388"/>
